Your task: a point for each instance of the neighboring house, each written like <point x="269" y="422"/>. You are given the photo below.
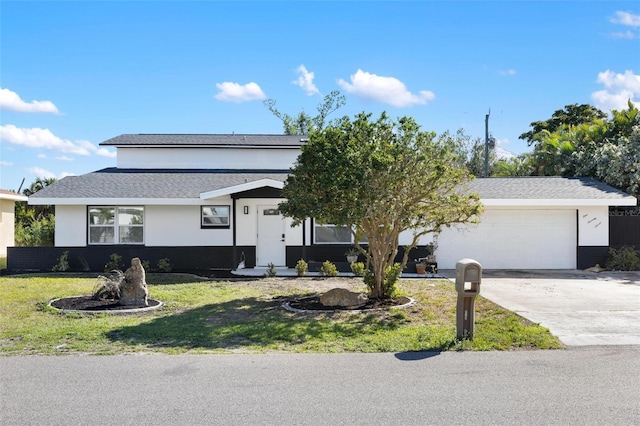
<point x="210" y="201"/>
<point x="7" y="219"/>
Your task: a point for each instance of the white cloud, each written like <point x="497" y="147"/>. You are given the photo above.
<point x="6" y="163"/>
<point x="234" y="92"/>
<point x="388" y="90"/>
<point x="626" y="18"/>
<point x="46" y="174"/>
<point x="10" y="101"/>
<point x="39" y="138"/>
<point x="64" y="158"/>
<point x="45" y="139"/>
<point x="507" y="72"/>
<point x="305" y="80"/>
<point x="629" y="35"/>
<point x="619" y="88"/>
<point x="41" y="173"/>
<point x="103" y="152"/>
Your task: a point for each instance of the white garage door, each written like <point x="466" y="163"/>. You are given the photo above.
<point x="514" y="239"/>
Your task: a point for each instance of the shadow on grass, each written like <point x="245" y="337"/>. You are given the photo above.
<point x="252" y="324"/>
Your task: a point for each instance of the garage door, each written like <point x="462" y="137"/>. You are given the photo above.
<point x="514" y="239"/>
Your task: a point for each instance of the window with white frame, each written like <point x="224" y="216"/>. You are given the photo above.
<point x="116" y="225"/>
<point x="215" y="217"/>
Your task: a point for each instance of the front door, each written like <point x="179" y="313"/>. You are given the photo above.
<point x="271" y="246"/>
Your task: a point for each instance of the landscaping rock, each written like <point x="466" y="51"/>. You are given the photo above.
<point x="343" y="297"/>
<point x="133" y="291"/>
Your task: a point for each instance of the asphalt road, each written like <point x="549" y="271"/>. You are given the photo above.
<point x="593" y="385"/>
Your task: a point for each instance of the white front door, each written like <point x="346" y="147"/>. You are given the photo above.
<point x="271" y="246"/>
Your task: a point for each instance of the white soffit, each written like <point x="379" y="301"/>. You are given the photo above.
<point x="242" y="187"/>
<point x="13" y="197"/>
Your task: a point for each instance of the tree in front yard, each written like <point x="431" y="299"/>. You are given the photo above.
<point x="378" y="179"/>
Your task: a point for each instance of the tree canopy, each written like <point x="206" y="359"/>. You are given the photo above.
<point x="379" y="178"/>
<point x="570" y="115"/>
<point x="303" y="123"/>
<point x="35" y="225"/>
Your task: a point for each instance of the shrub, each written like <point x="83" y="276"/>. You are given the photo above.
<point x="302" y="267"/>
<point x="271" y="270"/>
<point x="146" y="265"/>
<point x="391" y="277"/>
<point x="623" y="259"/>
<point x="63" y="263"/>
<point x="328" y="269"/>
<point x="357" y="268"/>
<point x="108" y="287"/>
<point x="113" y="263"/>
<point x="164" y="265"/>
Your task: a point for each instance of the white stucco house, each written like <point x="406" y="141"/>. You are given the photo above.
<point x="7" y="219"/>
<point x="207" y="201"/>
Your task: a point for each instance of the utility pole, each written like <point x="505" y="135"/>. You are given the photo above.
<point x="486" y="144"/>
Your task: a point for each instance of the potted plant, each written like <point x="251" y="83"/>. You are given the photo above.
<point x="421" y="266"/>
<point x="352" y="255"/>
<point x="431" y="249"/>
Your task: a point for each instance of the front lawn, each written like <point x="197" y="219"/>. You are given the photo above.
<point x="202" y="316"/>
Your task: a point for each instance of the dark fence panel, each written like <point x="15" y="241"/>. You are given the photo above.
<point x="624" y="230"/>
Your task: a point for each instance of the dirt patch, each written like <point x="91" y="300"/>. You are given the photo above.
<point x="88" y="303"/>
<point x="313" y="304"/>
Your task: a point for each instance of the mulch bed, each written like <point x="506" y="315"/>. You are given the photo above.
<point x="87" y="303"/>
<point x="313" y="304"/>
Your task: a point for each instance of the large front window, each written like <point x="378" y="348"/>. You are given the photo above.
<point x="116" y="225"/>
<point x="332" y="234"/>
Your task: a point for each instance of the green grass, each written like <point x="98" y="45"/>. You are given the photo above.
<point x="221" y="317"/>
<point x="3" y="263"/>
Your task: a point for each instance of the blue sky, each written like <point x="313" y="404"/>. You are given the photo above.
<point x="74" y="74"/>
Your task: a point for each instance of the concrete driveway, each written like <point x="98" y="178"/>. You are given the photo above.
<point x="580" y="308"/>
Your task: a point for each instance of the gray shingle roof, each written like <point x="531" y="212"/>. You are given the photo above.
<point x="544" y="188"/>
<point x="179" y="183"/>
<point x="130" y="183"/>
<point x="237" y="140"/>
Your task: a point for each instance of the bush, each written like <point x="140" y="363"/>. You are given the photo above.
<point x="328" y="269"/>
<point x="63" y="263"/>
<point x="271" y="270"/>
<point x="302" y="267"/>
<point x="113" y="263"/>
<point x="623" y="259"/>
<point x="146" y="265"/>
<point x="391" y="277"/>
<point x="108" y="287"/>
<point x="357" y="268"/>
<point x="37" y="233"/>
<point x="164" y="265"/>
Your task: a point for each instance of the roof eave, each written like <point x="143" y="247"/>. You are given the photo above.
<point x="582" y="202"/>
<point x="261" y="183"/>
<point x="115" y="201"/>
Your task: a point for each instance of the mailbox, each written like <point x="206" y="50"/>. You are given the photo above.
<point x="468" y="279"/>
<point x="468" y="276"/>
